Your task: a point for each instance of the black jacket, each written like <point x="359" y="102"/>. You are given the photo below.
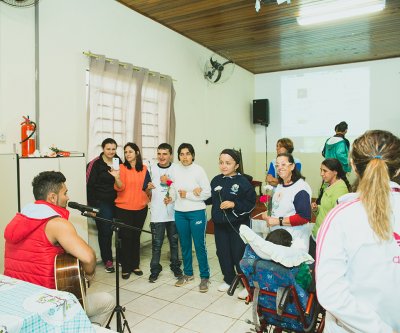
<point x="237" y="189"/>
<point x="99" y="183"/>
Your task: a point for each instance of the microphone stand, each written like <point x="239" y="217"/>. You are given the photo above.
<point x="118" y="309"/>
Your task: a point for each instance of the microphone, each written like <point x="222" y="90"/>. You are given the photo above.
<point x="83" y="208"/>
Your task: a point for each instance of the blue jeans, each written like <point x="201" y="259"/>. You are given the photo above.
<point x="193" y="225"/>
<point x="104" y="230"/>
<point x="158" y="229"/>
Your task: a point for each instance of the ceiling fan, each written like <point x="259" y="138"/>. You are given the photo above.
<point x="258" y="3"/>
<point x="20" y="3"/>
<point x="218" y="69"/>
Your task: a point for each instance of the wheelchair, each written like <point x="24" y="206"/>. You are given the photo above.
<point x="279" y="303"/>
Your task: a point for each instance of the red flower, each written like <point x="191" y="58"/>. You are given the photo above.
<point x="168" y="183"/>
<point x="265" y="198"/>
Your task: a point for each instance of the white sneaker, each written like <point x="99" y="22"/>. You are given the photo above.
<point x="224" y="287"/>
<point x="243" y="294"/>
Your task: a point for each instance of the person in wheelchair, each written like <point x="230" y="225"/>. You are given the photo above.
<point x="284" y="238"/>
<point x="280" y="284"/>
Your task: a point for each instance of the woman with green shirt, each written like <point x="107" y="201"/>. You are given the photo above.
<point x="334" y="185"/>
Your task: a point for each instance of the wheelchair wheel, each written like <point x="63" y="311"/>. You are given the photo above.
<point x="315" y="310"/>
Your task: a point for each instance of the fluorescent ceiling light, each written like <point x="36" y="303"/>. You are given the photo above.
<point x="325" y="11"/>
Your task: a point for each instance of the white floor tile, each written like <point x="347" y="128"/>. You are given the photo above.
<point x="176" y="314"/>
<point x="228" y="306"/>
<point x="146" y="305"/>
<point x="167" y="292"/>
<point x="248" y="314"/>
<point x="162" y="307"/>
<point x="185" y="330"/>
<point x="240" y="327"/>
<point x="206" y="322"/>
<point x="197" y="300"/>
<point x="153" y="325"/>
<point x="125" y="296"/>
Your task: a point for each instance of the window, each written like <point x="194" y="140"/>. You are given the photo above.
<point x="121" y="97"/>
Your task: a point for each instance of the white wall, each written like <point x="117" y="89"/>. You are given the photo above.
<point x="17" y="71"/>
<point x="217" y="113"/>
<point x="384" y="112"/>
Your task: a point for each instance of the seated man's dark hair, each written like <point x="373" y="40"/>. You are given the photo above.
<point x="47" y="182"/>
<point x="280" y="237"/>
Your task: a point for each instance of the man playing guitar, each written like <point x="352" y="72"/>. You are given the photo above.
<point x="42" y="231"/>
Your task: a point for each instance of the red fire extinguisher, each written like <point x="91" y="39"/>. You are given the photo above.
<point x="28" y="143"/>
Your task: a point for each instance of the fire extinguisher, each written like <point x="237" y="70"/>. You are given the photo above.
<point x="28" y="143"/>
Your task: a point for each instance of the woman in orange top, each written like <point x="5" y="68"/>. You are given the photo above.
<point x="131" y="184"/>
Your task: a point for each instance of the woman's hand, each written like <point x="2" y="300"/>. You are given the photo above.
<point x="182" y="193"/>
<point x="148" y="189"/>
<point x="150" y="186"/>
<point x="114" y="173"/>
<point x="272" y="180"/>
<point x="197" y="191"/>
<point x="227" y="205"/>
<point x="167" y="200"/>
<point x="271" y="221"/>
<point x="314" y="206"/>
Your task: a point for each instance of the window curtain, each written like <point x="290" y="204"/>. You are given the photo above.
<point x="116" y="97"/>
<point x="158" y="96"/>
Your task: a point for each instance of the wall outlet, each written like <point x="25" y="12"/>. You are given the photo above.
<point x="2" y="137"/>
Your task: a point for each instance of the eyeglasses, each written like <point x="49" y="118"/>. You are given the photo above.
<point x="282" y="166"/>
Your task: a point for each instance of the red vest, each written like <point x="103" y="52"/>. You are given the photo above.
<point x="29" y="255"/>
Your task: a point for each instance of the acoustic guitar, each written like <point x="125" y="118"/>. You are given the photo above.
<point x="69" y="276"/>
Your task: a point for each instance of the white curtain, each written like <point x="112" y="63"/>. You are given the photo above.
<point x="120" y="97"/>
<point x="158" y="117"/>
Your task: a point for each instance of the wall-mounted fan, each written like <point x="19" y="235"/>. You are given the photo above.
<point x="218" y="69"/>
<point x="21" y="3"/>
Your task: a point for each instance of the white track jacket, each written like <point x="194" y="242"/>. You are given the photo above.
<point x="357" y="275"/>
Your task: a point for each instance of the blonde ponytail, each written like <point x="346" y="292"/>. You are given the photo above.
<point x="376" y="157"/>
<point x="375" y="196"/>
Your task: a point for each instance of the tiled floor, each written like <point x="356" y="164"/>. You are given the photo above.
<point x="163" y="308"/>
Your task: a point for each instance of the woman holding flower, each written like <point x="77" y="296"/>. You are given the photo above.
<point x="266" y="199"/>
<point x="291" y="203"/>
<point x="233" y="199"/>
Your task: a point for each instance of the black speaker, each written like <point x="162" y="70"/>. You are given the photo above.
<point x="261" y="111"/>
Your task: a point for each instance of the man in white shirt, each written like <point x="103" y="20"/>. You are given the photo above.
<point x="162" y="213"/>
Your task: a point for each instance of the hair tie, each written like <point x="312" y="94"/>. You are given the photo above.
<point x="378" y="157"/>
